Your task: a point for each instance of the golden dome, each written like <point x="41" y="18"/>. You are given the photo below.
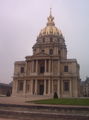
<point x="50" y="29"/>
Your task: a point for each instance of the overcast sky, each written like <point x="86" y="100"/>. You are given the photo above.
<point x="22" y="20"/>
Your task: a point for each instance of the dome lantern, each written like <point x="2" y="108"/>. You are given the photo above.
<point x="50" y="28"/>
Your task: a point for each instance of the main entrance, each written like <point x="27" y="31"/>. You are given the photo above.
<point x="41" y="89"/>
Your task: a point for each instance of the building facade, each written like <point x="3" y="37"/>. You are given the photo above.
<point x="48" y="70"/>
<point x="84" y="88"/>
<point x="5" y="89"/>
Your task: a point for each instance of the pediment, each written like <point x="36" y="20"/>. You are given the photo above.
<point x="41" y="54"/>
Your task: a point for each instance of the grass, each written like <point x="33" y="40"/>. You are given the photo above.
<point x="65" y="101"/>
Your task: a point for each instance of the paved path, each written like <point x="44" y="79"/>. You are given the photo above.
<point x="20" y="100"/>
<point x="7" y="119"/>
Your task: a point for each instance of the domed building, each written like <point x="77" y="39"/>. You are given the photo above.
<point x="48" y="70"/>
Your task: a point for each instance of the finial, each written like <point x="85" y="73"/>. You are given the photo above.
<point x="50" y="18"/>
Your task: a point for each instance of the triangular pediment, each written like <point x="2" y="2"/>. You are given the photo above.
<point x="41" y="54"/>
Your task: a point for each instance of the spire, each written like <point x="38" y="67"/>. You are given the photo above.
<point x="50" y="11"/>
<point x="50" y="19"/>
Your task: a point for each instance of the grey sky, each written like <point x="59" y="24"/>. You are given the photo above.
<point x="22" y="20"/>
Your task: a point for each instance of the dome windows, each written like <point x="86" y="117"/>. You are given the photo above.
<point x="51" y="51"/>
<point x="51" y="39"/>
<point x="43" y="40"/>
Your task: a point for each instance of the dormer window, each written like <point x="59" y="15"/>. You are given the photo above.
<point x="22" y="70"/>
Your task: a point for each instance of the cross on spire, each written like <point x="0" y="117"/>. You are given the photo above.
<point x="50" y="11"/>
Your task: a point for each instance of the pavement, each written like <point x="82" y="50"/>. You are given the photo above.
<point x="7" y="119"/>
<point x="20" y="100"/>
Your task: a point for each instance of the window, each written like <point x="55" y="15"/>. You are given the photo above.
<point x="22" y="69"/>
<point x="51" y="39"/>
<point x="42" y="51"/>
<point x="66" y="68"/>
<point x="20" y="83"/>
<point x="51" y="51"/>
<point x="66" y="85"/>
<point x="42" y="69"/>
<point x="58" y="52"/>
<point x="43" y="39"/>
<point x="27" y="86"/>
<point x="41" y="66"/>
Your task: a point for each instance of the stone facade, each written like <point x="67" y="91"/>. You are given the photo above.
<point x="48" y="70"/>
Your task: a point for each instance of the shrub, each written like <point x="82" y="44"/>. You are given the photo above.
<point x="8" y="93"/>
<point x="55" y="96"/>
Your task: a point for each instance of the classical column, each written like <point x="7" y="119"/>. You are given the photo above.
<point x="58" y="90"/>
<point x="32" y="66"/>
<point x="35" y="87"/>
<point x="24" y="87"/>
<point x="52" y="66"/>
<point x="52" y="87"/>
<point x="16" y="86"/>
<point x="44" y="87"/>
<point x="58" y="67"/>
<point x="45" y="65"/>
<point x="49" y="87"/>
<point x="49" y="66"/>
<point x="36" y="66"/>
<point x="31" y="87"/>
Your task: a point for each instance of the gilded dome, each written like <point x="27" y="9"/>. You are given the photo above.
<point x="50" y="28"/>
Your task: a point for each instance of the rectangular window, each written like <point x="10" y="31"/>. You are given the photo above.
<point x="66" y="85"/>
<point x="66" y="68"/>
<point x="22" y="70"/>
<point x="20" y="85"/>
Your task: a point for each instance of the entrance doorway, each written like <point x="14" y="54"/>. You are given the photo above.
<point x="41" y="89"/>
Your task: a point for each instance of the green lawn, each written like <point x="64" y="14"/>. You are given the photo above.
<point x="66" y="101"/>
